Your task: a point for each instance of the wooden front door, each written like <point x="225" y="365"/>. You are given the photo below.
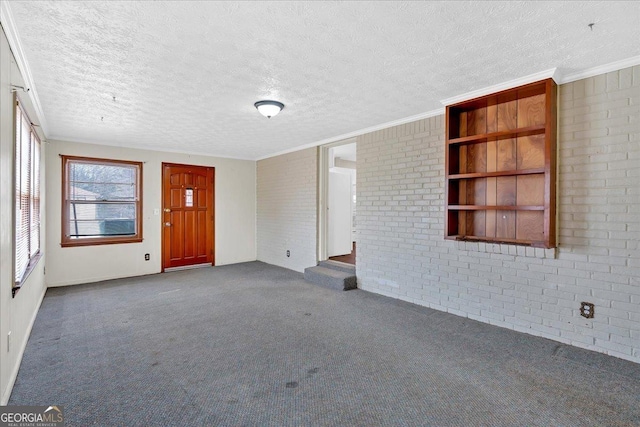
<point x="187" y="215"/>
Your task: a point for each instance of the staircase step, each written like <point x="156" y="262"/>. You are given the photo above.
<point x="337" y="265"/>
<point x="330" y="278"/>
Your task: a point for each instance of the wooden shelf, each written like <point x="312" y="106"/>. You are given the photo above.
<point x="514" y="172"/>
<point x="505" y="134"/>
<point x="500" y="165"/>
<point x="495" y="208"/>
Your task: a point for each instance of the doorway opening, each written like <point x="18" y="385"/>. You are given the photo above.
<point x="187" y="216"/>
<point x="337" y="216"/>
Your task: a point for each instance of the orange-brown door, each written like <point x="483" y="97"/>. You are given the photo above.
<point x="187" y="215"/>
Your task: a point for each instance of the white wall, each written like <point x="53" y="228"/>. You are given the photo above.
<point x="287" y="214"/>
<point x="16" y="314"/>
<point x="235" y="220"/>
<point x="402" y="252"/>
<point x="340" y="211"/>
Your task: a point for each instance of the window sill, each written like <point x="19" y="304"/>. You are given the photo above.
<point x="96" y="242"/>
<point x="32" y="265"/>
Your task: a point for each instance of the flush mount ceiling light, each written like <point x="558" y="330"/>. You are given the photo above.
<point x="269" y="108"/>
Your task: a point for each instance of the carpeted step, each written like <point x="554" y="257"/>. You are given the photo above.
<point x="337" y="265"/>
<point x="330" y="278"/>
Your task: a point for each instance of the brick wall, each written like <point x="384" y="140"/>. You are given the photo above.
<point x="400" y="227"/>
<point x="286" y="213"/>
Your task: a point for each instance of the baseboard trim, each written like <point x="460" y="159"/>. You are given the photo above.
<point x="88" y="280"/>
<point x="14" y="373"/>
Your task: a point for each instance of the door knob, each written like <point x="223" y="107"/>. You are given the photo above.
<point x="167" y="210"/>
<point x="167" y="224"/>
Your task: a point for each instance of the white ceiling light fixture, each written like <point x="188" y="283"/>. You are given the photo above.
<point x="269" y="108"/>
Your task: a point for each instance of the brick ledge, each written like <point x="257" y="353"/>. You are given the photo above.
<point x="506" y="249"/>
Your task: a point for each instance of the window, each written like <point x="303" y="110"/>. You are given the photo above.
<point x="102" y="201"/>
<point x="27" y="202"/>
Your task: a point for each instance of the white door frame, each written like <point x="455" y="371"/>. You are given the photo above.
<point x="323" y="192"/>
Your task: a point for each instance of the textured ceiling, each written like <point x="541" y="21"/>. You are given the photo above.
<point x="185" y="75"/>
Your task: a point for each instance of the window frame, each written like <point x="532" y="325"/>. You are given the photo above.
<point x="66" y="240"/>
<point x="33" y="193"/>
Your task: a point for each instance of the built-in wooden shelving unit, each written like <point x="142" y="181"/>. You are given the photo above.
<point x="500" y="167"/>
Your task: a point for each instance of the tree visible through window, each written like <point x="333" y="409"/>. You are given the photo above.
<point x="102" y="201"/>
<point x="27" y="202"/>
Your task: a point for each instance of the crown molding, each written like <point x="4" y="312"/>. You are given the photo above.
<point x="421" y="116"/>
<point x="11" y="31"/>
<point x="555" y="73"/>
<point x="551" y="73"/>
<point x="601" y="69"/>
<point x="55" y="139"/>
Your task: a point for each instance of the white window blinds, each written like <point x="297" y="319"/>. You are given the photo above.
<point x="27" y="201"/>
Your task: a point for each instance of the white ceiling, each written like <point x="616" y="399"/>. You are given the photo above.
<point x="185" y="75"/>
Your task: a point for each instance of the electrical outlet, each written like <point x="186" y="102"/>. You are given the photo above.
<point x="587" y="310"/>
<point x="147" y="257"/>
<point x="288" y="253"/>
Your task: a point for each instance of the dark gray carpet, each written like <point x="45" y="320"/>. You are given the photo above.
<point x="254" y="345"/>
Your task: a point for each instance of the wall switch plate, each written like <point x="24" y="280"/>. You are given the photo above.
<point x="9" y="342"/>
